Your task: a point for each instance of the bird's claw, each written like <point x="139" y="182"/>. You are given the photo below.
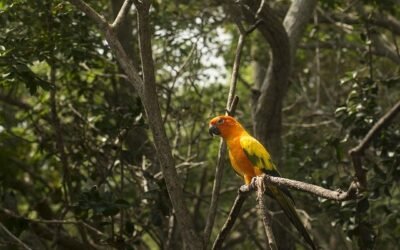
<point x="244" y="188"/>
<point x="251" y="186"/>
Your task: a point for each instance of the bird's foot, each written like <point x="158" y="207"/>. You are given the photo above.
<point x="250" y="187"/>
<point x="244" y="188"/>
<point x="253" y="184"/>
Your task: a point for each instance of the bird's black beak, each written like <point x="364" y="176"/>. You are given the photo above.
<point x="213" y="130"/>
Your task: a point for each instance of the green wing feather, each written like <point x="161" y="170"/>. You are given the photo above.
<point x="261" y="159"/>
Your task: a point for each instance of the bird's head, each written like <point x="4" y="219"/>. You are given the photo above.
<point x="224" y="126"/>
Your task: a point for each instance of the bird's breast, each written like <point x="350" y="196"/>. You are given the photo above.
<point x="239" y="160"/>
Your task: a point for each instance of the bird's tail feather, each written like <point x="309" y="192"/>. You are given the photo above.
<point x="290" y="211"/>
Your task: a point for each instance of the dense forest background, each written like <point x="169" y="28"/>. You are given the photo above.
<point x="104" y="115"/>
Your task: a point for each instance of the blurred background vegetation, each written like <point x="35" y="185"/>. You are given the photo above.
<point x="75" y="144"/>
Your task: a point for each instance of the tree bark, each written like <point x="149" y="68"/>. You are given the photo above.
<point x="153" y="112"/>
<point x="146" y="89"/>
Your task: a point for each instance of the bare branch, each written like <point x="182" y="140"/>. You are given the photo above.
<point x="385" y="21"/>
<point x="59" y="139"/>
<point x="233" y="215"/>
<point x="357" y="151"/>
<point x="235" y="70"/>
<point x="42" y="221"/>
<point x="265" y="216"/>
<point x="164" y="153"/>
<point x="94" y="15"/>
<point x="215" y="193"/>
<point x="125" y="61"/>
<point x="15" y="238"/>
<point x="243" y="192"/>
<point x="383" y="48"/>
<point x="380" y="47"/>
<point x="171" y="229"/>
<point x="217" y="181"/>
<point x="339" y="195"/>
<point x="296" y="20"/>
<point x="116" y="46"/>
<point x="122" y="14"/>
<point x="230" y="110"/>
<point x="262" y="3"/>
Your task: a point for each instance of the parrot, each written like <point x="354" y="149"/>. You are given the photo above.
<point x="249" y="159"/>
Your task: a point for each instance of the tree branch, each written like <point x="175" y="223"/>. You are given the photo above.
<point x="385" y="21"/>
<point x="351" y="193"/>
<point x="231" y="104"/>
<point x="217" y="181"/>
<point x="146" y="89"/>
<point x="121" y="14"/>
<point x="233" y="215"/>
<point x="383" y="48"/>
<point x="338" y="195"/>
<point x="380" y="48"/>
<point x="357" y="151"/>
<point x="59" y="139"/>
<point x="265" y="216"/>
<point x="15" y="238"/>
<point x="42" y="221"/>
<point x="296" y="20"/>
<point x="164" y="153"/>
<point x="116" y="46"/>
<point x="94" y="15"/>
<point x="125" y="61"/>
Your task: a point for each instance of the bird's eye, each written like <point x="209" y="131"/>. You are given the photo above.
<point x="220" y="121"/>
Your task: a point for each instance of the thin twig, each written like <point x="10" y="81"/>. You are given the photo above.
<point x="265" y="216"/>
<point x="260" y="8"/>
<point x="42" y="221"/>
<point x="171" y="230"/>
<point x="123" y="12"/>
<point x="230" y="110"/>
<point x="233" y="215"/>
<point x="179" y="72"/>
<point x="150" y="102"/>
<point x="381" y="123"/>
<point x="215" y="193"/>
<point x="99" y="19"/>
<point x="357" y="151"/>
<point x="15" y="238"/>
<point x="116" y="46"/>
<point x="59" y="139"/>
<point x="235" y="71"/>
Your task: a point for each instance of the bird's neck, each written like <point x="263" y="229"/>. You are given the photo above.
<point x="234" y="134"/>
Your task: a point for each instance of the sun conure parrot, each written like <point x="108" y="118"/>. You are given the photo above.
<point x="249" y="158"/>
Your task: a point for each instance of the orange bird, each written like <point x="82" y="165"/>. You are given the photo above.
<point x="249" y="158"/>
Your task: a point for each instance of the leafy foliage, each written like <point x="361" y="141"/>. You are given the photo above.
<point x="75" y="145"/>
